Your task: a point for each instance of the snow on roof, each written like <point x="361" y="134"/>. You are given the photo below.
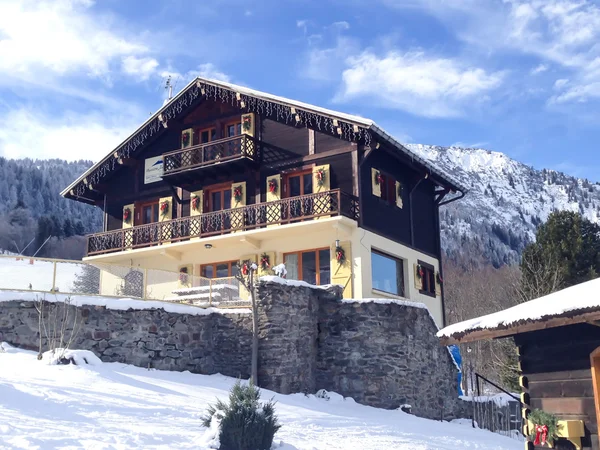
<point x="122" y="304"/>
<point x="581" y="298"/>
<point x="279" y="280"/>
<point x="367" y="123"/>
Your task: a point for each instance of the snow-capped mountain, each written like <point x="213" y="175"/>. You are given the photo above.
<point x="506" y="201"/>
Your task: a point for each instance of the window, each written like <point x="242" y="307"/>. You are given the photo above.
<point x="427" y="273"/>
<point x="388" y="188"/>
<point x="207" y="135"/>
<point x="219" y="270"/>
<point x="387" y="273"/>
<point x="313" y="266"/>
<point x="232" y="129"/>
<point x="299" y="183"/>
<point x="149" y="213"/>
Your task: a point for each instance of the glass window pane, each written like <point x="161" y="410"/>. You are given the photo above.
<point x="227" y="199"/>
<point x="386" y="273"/>
<point x="204" y="137"/>
<point x="147" y="214"/>
<point x="294" y="186"/>
<point x="207" y="271"/>
<point x="216" y="201"/>
<point x="309" y="267"/>
<point x="234" y="269"/>
<point x="213" y="134"/>
<point x="291" y="265"/>
<point x="222" y="270"/>
<point x="154" y="213"/>
<point x="308" y="183"/>
<point x="324" y="266"/>
<point x="239" y="129"/>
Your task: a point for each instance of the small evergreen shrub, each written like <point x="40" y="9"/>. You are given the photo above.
<point x="245" y="423"/>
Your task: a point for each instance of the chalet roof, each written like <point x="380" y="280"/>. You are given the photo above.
<point x="353" y="128"/>
<point x="575" y="304"/>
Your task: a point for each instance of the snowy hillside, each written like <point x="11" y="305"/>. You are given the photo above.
<point x="120" y="406"/>
<point x="507" y="200"/>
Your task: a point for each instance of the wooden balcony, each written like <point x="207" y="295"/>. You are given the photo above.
<point x="251" y="217"/>
<point x="180" y="165"/>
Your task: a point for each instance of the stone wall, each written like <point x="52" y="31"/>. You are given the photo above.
<point x="212" y="343"/>
<point x="386" y="355"/>
<point x="381" y="354"/>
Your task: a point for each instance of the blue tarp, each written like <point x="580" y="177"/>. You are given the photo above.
<point x="455" y="352"/>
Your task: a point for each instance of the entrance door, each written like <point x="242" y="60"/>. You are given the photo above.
<point x="296" y="185"/>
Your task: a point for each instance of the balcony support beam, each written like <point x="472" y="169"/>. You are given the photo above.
<point x="175" y="255"/>
<point x="255" y="243"/>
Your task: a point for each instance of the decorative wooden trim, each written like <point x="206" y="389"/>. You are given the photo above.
<point x="311" y="141"/>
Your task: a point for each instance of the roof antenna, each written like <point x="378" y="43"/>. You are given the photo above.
<point x="169" y="88"/>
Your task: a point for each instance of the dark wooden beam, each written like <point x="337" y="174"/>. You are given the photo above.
<point x="129" y="162"/>
<point x="481" y="334"/>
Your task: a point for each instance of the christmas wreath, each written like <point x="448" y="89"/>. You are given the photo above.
<point x="164" y="208"/>
<point x="265" y="262"/>
<point x="340" y="255"/>
<point x="246" y="123"/>
<point x="273" y="186"/>
<point x="545" y="426"/>
<point x="185" y="138"/>
<point x="195" y="202"/>
<point x="127" y="215"/>
<point x="378" y="177"/>
<point x="237" y="194"/>
<point x="320" y="175"/>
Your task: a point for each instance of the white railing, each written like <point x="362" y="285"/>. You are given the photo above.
<point x="22" y="273"/>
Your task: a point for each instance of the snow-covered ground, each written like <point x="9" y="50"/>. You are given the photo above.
<point x="116" y="406"/>
<point x="18" y="272"/>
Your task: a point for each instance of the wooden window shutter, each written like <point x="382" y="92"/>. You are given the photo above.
<point x="167" y="213"/>
<point x="342" y="273"/>
<point x="248" y="124"/>
<point x="375" y="185"/>
<point x="418" y="279"/>
<point x="399" y="203"/>
<point x="200" y="203"/>
<point x="187" y="138"/>
<point x="131" y="219"/>
<point x="325" y="172"/>
<point x="241" y="187"/>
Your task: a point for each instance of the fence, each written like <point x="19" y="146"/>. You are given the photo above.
<point x="20" y="273"/>
<point x="496" y="409"/>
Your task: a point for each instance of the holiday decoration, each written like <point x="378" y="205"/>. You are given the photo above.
<point x="127" y="215"/>
<point x="245" y="268"/>
<point x="190" y="97"/>
<point x="544" y="427"/>
<point x="265" y="263"/>
<point x="420" y="271"/>
<point x="320" y="175"/>
<point x="378" y="177"/>
<point x="185" y="138"/>
<point x="438" y="278"/>
<point x="340" y="255"/>
<point x="237" y="194"/>
<point x="273" y="186"/>
<point x="164" y="208"/>
<point x="246" y="122"/>
<point x="195" y="202"/>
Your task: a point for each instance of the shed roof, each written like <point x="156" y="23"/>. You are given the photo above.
<point x="575" y="304"/>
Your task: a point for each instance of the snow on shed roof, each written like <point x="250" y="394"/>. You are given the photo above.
<point x="575" y="304"/>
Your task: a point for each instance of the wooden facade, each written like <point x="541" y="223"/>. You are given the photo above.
<point x="557" y="369"/>
<point x="223" y="156"/>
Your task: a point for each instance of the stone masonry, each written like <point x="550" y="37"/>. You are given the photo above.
<point x="381" y="354"/>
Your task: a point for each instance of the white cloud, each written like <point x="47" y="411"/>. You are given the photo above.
<point x="539" y="69"/>
<point x="559" y="84"/>
<point x="564" y="32"/>
<point x="70" y="136"/>
<point x="140" y="68"/>
<point x="60" y="37"/>
<point x="416" y="83"/>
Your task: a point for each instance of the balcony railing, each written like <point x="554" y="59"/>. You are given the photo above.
<point x="289" y="210"/>
<point x="222" y="150"/>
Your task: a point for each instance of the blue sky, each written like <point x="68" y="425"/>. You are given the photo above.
<point x="517" y="76"/>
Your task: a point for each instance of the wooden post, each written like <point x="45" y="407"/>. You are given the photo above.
<point x="54" y="277"/>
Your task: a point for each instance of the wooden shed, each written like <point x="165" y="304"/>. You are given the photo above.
<point x="558" y="342"/>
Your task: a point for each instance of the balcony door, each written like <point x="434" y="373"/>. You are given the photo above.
<point x="217" y="218"/>
<point x="148" y="213"/>
<point x="232" y="147"/>
<point x="298" y="184"/>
